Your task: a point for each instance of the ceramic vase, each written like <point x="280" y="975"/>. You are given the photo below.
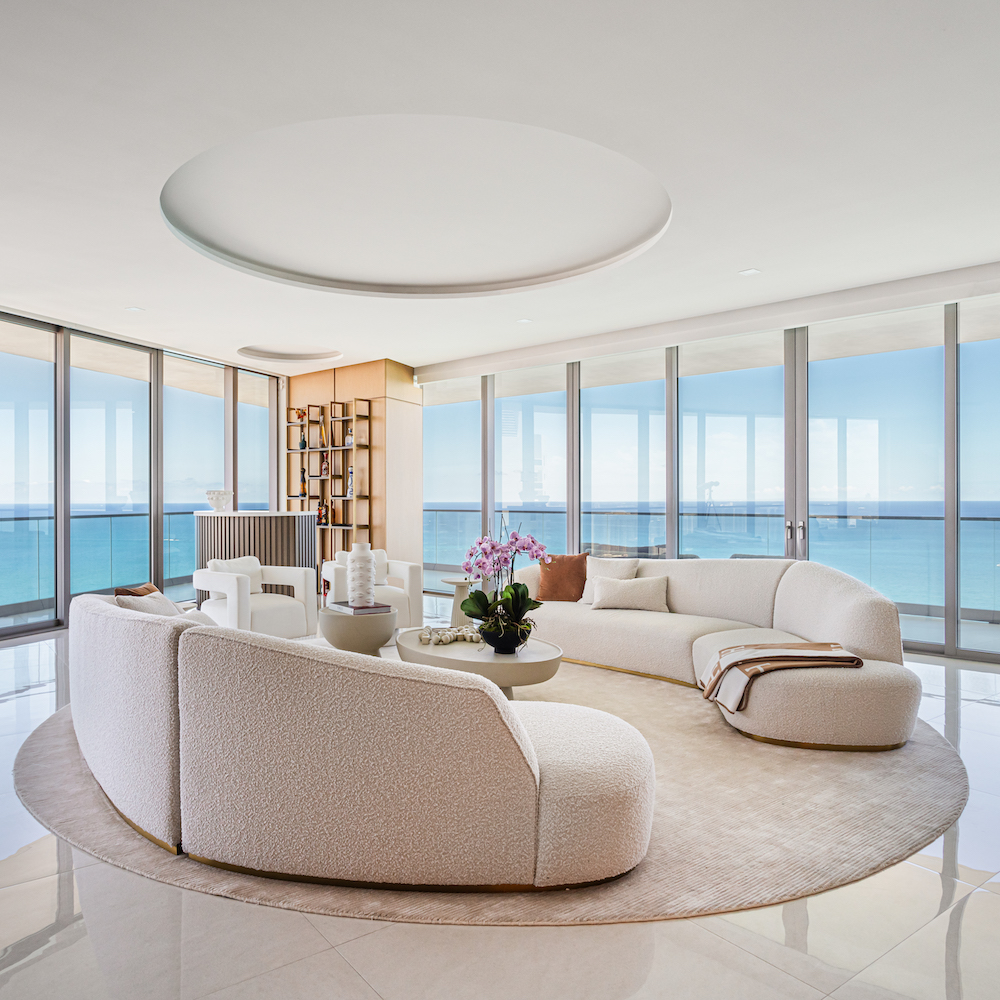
<point x="361" y="576"/>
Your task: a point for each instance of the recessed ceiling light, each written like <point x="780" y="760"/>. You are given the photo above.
<point x="524" y="321"/>
<point x="269" y="353"/>
<point x="134" y="309"/>
<point x="749" y="272"/>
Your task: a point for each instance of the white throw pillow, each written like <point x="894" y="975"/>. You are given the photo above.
<point x="612" y="569"/>
<point x="647" y="593"/>
<point x="198" y="617"/>
<point x="245" y="565"/>
<point x="151" y="604"/>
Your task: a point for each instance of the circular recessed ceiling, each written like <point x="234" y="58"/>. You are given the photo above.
<point x="415" y="205"/>
<point x="269" y="353"/>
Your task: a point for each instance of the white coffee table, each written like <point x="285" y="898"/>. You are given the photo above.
<point x="535" y="661"/>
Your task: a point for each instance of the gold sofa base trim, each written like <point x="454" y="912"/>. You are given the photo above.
<point x="172" y="848"/>
<point x="348" y="883"/>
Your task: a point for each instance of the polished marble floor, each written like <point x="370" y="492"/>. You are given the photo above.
<point x="72" y="927"/>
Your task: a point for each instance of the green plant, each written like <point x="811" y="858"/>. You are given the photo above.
<point x="512" y="604"/>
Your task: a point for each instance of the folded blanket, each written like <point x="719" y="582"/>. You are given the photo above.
<point x="727" y="680"/>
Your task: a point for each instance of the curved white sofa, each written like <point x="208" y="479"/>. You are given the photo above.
<point x="715" y="603"/>
<point x="261" y="754"/>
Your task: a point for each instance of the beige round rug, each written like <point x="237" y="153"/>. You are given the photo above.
<point x="738" y="823"/>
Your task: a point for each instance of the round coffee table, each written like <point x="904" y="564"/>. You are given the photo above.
<point x="357" y="633"/>
<point x="534" y="662"/>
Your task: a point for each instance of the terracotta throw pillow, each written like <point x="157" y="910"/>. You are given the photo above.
<point x="146" y="588"/>
<point x="563" y="579"/>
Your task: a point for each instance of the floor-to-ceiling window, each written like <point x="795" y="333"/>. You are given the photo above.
<point x="876" y="458"/>
<point x="623" y="455"/>
<point x="731" y="436"/>
<point x="979" y="476"/>
<point x="194" y="428"/>
<point x="109" y="465"/>
<point x="27" y="474"/>
<point x="253" y="461"/>
<point x="452" y="476"/>
<point x="531" y="453"/>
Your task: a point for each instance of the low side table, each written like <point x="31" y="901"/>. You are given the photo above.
<point x="357" y="633"/>
<point x="461" y="585"/>
<point x="536" y="661"/>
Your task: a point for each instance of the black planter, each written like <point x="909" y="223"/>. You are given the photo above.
<point x="508" y="641"/>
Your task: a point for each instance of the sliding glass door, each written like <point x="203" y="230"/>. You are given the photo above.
<point x="731" y="447"/>
<point x="27" y="475"/>
<point x="876" y="458"/>
<point x="531" y="453"/>
<point x="109" y="465"/>
<point x="623" y="455"/>
<point x="979" y="479"/>
<point x="452" y="441"/>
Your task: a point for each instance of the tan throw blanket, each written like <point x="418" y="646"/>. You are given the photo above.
<point x="727" y="680"/>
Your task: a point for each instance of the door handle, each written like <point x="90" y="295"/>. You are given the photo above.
<point x="802" y="531"/>
<point x="788" y="529"/>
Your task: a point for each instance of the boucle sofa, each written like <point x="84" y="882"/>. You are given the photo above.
<point x="716" y="603"/>
<point x="276" y="757"/>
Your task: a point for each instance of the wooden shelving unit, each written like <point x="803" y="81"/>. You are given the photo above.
<point x="331" y="474"/>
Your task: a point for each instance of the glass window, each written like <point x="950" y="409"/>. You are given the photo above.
<point x="979" y="497"/>
<point x="252" y="441"/>
<point x="531" y="453"/>
<point x="623" y="456"/>
<point x="109" y="465"/>
<point x="27" y="466"/>
<point x="452" y="476"/>
<point x="876" y="458"/>
<point x="194" y="428"/>
<point x="731" y="438"/>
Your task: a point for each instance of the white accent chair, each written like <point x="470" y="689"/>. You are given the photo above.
<point x="237" y="598"/>
<point x="407" y="600"/>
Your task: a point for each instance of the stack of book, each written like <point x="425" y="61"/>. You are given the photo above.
<point x="358" y="609"/>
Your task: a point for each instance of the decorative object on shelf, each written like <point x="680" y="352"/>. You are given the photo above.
<point x="349" y="439"/>
<point x="349" y="492"/>
<point x="321" y="513"/>
<point x="322" y="433"/>
<point x="445" y="636"/>
<point x="502" y="605"/>
<point x="300" y="414"/>
<point x="324" y="469"/>
<point x="218" y="499"/>
<point x="361" y="576"/>
<point x="302" y="438"/>
<point x="302" y="483"/>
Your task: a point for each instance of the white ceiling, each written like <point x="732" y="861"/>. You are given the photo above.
<point x="830" y="145"/>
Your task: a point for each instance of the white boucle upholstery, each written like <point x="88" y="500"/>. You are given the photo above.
<point x="123" y="685"/>
<point x="758" y="601"/>
<point x="737" y="589"/>
<point x="635" y="595"/>
<point x="824" y="605"/>
<point x="643" y="641"/>
<point x="244" y="565"/>
<point x="607" y="569"/>
<point x="319" y="762"/>
<point x="150" y="604"/>
<point x="595" y="793"/>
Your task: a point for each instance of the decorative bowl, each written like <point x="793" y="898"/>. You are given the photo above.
<point x="218" y="499"/>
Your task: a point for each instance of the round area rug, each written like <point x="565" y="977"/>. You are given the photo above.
<point x="738" y="823"/>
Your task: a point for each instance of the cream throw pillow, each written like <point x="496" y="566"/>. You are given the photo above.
<point x="245" y="566"/>
<point x="648" y="593"/>
<point x="613" y="569"/>
<point x="152" y="604"/>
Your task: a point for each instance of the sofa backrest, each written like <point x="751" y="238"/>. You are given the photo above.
<point x="739" y="590"/>
<point x="824" y="605"/>
<point x="123" y="696"/>
<point x="401" y="773"/>
<point x="736" y="589"/>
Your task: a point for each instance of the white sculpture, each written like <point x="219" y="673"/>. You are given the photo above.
<point x="361" y="576"/>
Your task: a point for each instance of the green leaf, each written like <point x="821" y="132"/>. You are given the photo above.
<point x="479" y="604"/>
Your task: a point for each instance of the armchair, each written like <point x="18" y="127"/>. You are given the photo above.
<point x="407" y="600"/>
<point x="237" y="598"/>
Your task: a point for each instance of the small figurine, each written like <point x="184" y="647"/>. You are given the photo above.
<point x="302" y="483"/>
<point x="302" y="438"/>
<point x="349" y="440"/>
<point x="322" y="433"/>
<point x="324" y="469"/>
<point x="349" y="492"/>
